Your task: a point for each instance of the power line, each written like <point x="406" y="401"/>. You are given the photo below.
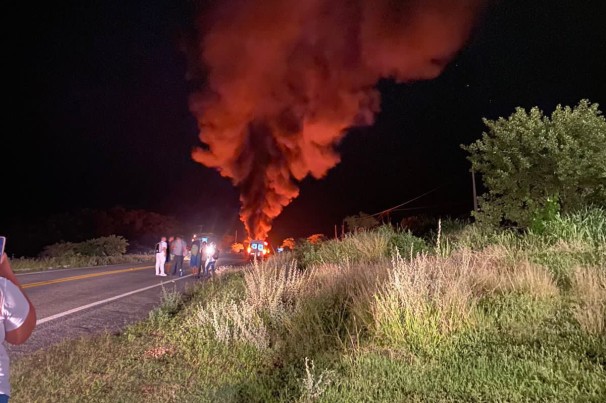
<point x="407" y="202"/>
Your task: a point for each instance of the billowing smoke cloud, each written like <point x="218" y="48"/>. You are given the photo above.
<point x="285" y="79"/>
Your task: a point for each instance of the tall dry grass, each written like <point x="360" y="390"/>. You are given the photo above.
<point x="417" y="302"/>
<point x="498" y="269"/>
<point x="431" y="297"/>
<point x="274" y="286"/>
<point x="422" y="301"/>
<point x="230" y="321"/>
<point x="589" y="291"/>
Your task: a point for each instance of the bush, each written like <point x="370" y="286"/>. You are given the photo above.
<point x="360" y="247"/>
<point x="105" y="246"/>
<point x="406" y="243"/>
<point x="61" y="249"/>
<point x="534" y="165"/>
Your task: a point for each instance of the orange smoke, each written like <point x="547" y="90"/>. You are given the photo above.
<point x="285" y="79"/>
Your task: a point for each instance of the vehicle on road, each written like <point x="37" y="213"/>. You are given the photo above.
<point x="258" y="249"/>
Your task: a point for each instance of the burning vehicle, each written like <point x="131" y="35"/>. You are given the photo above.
<point x="258" y="249"/>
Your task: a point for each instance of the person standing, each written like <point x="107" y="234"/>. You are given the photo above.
<point x="17" y="320"/>
<point x="161" y="248"/>
<point x="212" y="259"/>
<point x="168" y="254"/>
<point x="203" y="257"/>
<point x="179" y="249"/>
<point x="196" y="258"/>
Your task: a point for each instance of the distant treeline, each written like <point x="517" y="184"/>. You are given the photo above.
<point x="140" y="227"/>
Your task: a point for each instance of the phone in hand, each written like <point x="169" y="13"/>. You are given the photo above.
<point x="2" y="243"/>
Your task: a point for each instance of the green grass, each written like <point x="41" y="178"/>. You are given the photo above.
<point x="519" y="318"/>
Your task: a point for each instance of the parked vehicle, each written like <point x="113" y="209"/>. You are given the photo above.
<point x="258" y="249"/>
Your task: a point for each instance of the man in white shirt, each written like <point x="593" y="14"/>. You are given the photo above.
<point x="161" y="250"/>
<point x="17" y="320"/>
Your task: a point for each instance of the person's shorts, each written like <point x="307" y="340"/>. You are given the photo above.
<point x="194" y="261"/>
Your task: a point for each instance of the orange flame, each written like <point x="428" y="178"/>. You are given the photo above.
<point x="287" y="79"/>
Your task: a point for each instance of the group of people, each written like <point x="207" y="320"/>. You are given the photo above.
<point x="203" y="256"/>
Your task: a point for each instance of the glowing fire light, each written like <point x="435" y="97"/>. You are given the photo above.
<point x="287" y="79"/>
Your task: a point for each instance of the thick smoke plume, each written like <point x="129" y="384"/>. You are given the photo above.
<point x="285" y="79"/>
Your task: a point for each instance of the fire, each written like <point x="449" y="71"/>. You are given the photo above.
<point x="285" y="80"/>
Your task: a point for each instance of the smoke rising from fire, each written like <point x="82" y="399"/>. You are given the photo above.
<point x="286" y="79"/>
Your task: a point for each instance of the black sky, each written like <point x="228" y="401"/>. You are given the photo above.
<point x="96" y="113"/>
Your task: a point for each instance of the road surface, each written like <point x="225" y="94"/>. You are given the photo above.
<point x="76" y="302"/>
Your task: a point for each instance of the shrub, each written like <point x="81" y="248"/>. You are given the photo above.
<point x="60" y="249"/>
<point x="360" y="247"/>
<point x="533" y="165"/>
<point x="105" y="246"/>
<point x="406" y="244"/>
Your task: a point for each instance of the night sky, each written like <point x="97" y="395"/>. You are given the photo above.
<point x="96" y="114"/>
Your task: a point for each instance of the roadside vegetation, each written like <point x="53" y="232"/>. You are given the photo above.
<point x="93" y="252"/>
<point x="470" y="314"/>
<point x="511" y="308"/>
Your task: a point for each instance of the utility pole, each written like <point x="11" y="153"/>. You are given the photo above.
<point x="336" y="236"/>
<point x="475" y="196"/>
<point x="236" y="237"/>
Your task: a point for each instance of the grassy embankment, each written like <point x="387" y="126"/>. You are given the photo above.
<point x="467" y="316"/>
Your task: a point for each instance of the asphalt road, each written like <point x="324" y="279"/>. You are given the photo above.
<point x="82" y="301"/>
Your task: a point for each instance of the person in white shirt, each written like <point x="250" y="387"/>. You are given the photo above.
<point x="17" y="320"/>
<point x="161" y="257"/>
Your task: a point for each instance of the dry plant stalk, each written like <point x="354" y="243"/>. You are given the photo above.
<point x="589" y="288"/>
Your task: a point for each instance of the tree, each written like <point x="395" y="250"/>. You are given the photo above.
<point x="316" y="239"/>
<point x="360" y="221"/>
<point x="237" y="247"/>
<point x="288" y="243"/>
<point x="530" y="161"/>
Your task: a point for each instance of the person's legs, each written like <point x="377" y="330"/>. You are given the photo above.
<point x="175" y="261"/>
<point x="158" y="264"/>
<point x="162" y="261"/>
<point x="3" y="399"/>
<point x="167" y="267"/>
<point x="178" y="265"/>
<point x="194" y="263"/>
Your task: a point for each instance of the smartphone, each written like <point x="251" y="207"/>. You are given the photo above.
<point x="2" y="243"/>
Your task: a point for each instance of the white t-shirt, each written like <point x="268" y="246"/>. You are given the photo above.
<point x="14" y="309"/>
<point x="162" y="247"/>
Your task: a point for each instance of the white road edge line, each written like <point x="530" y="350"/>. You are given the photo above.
<point x="80" y="308"/>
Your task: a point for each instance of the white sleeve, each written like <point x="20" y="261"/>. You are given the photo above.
<point x="15" y="307"/>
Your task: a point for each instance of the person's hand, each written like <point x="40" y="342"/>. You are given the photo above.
<point x="5" y="268"/>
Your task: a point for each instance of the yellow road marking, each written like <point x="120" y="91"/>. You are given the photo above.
<point x="83" y="276"/>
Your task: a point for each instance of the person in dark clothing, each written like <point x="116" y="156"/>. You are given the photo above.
<point x="168" y="254"/>
<point x="179" y="249"/>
